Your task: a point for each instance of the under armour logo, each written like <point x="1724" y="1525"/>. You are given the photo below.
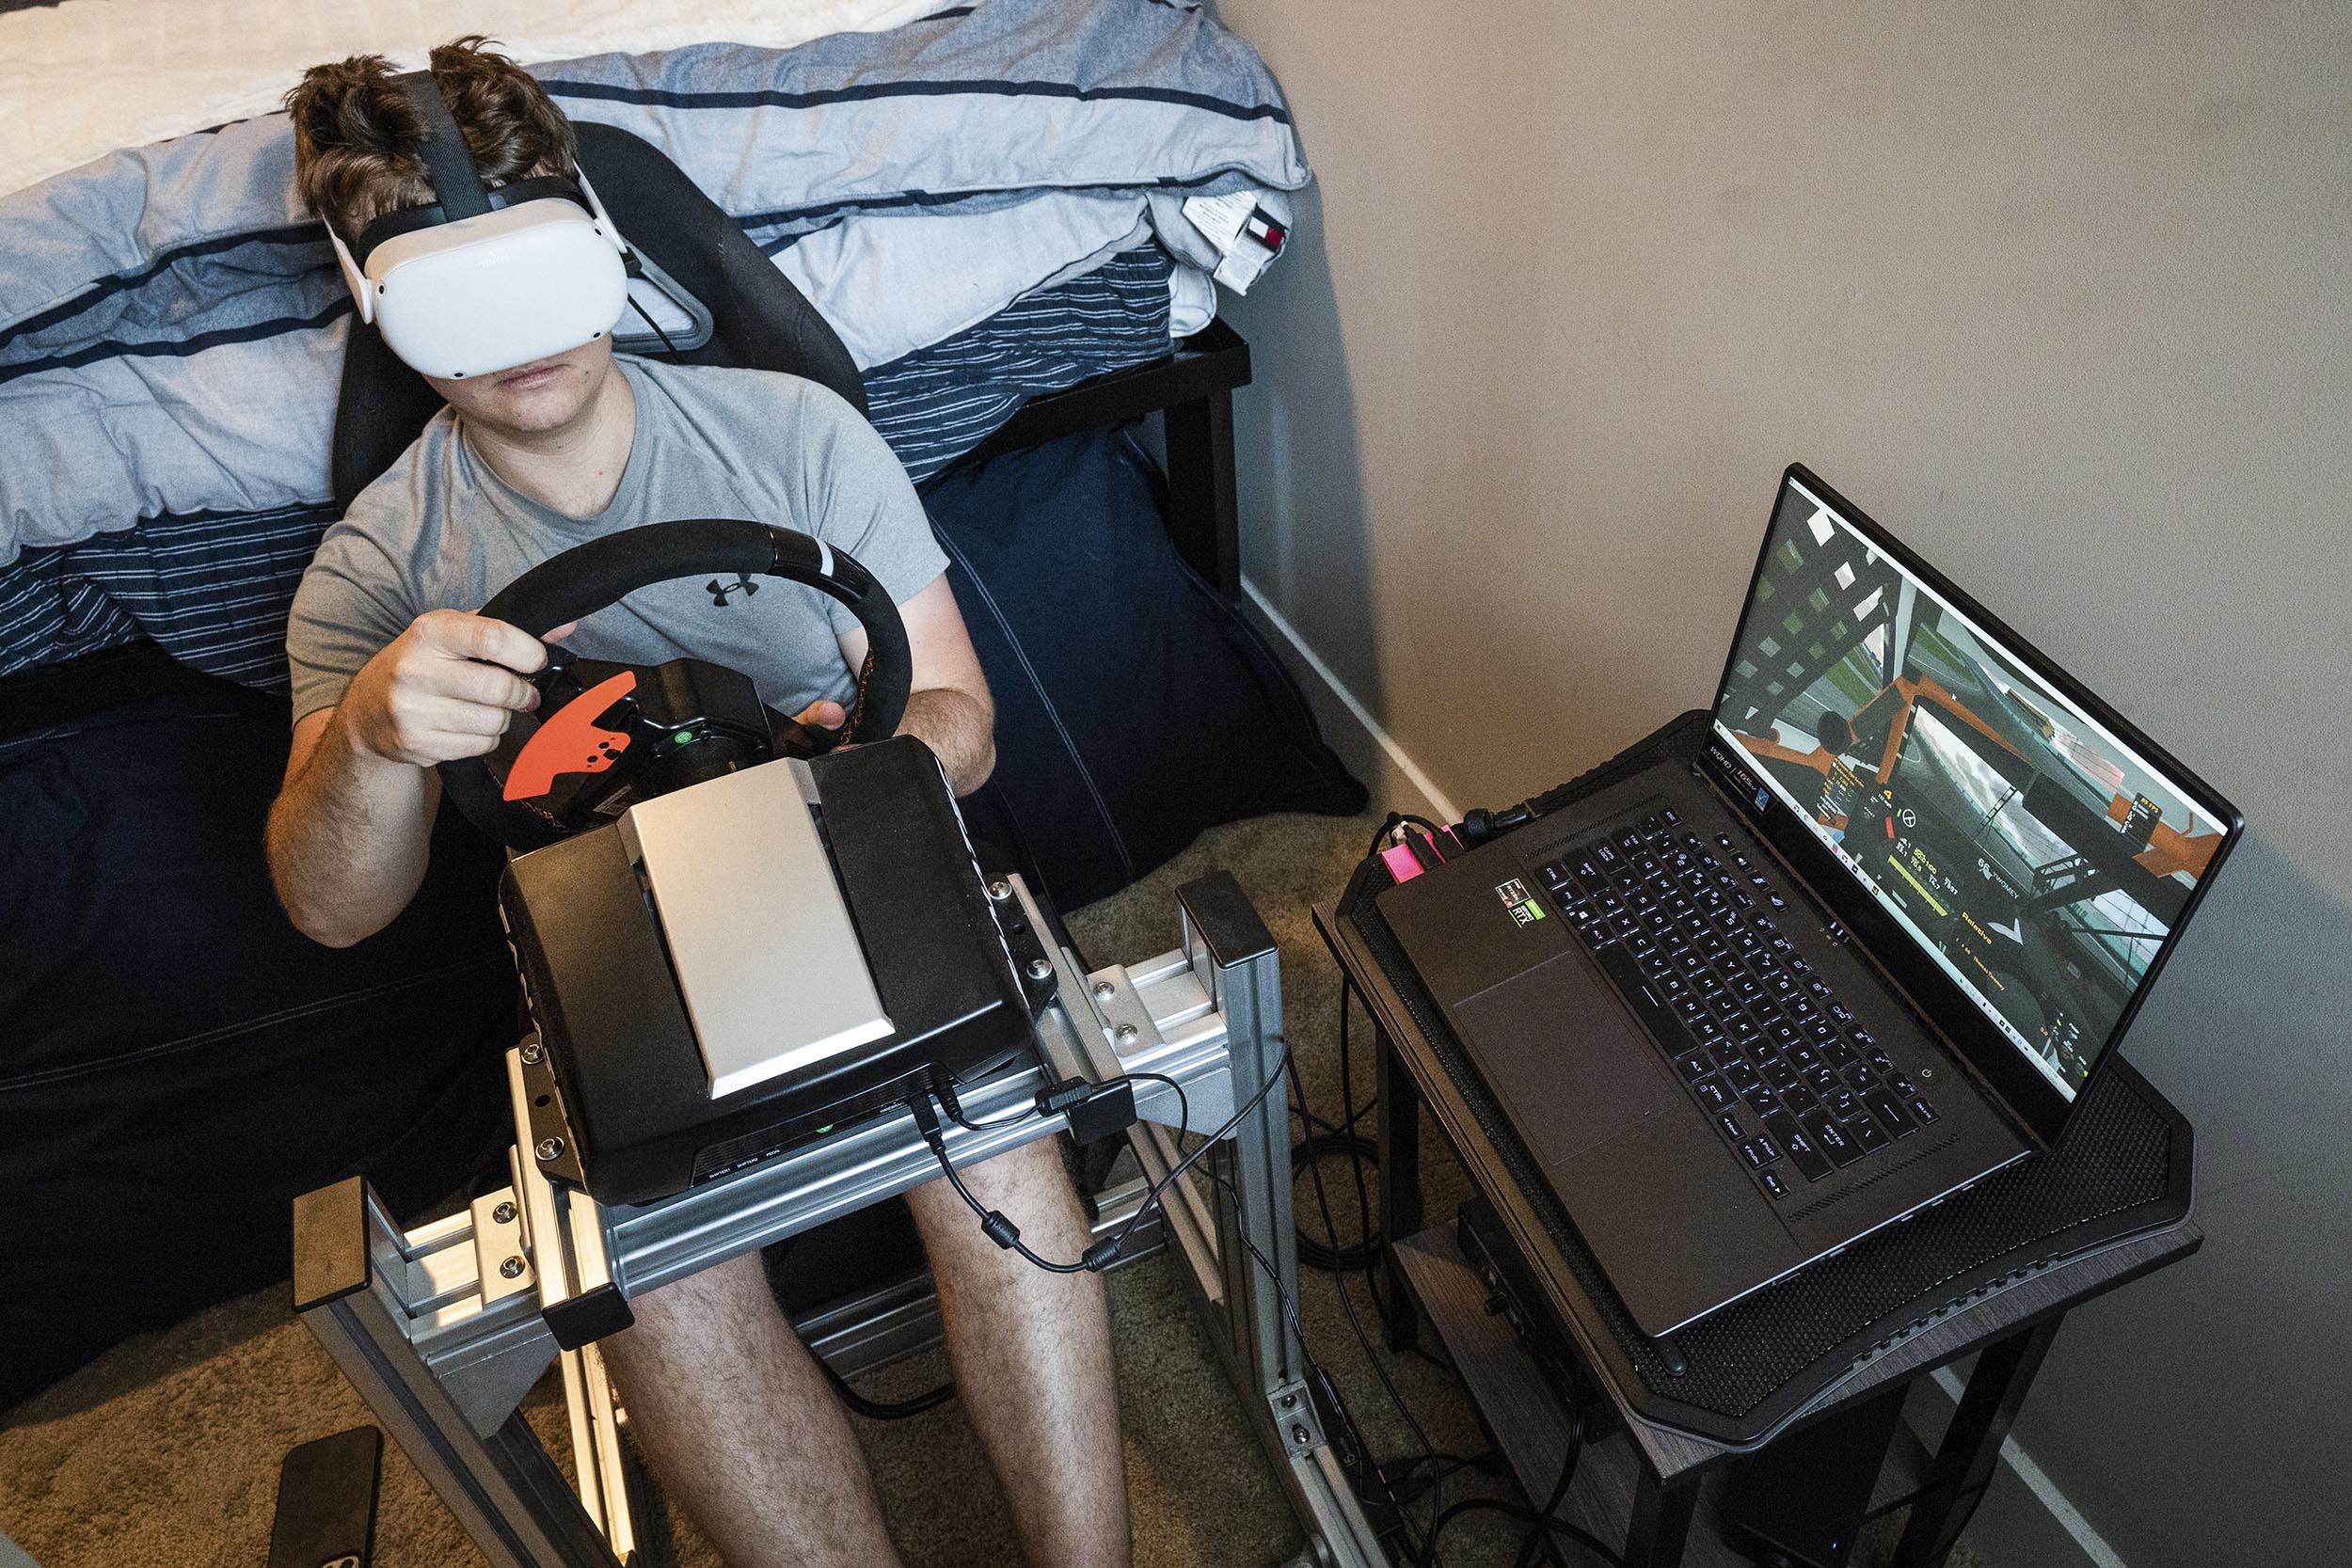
<point x="719" y="591"/>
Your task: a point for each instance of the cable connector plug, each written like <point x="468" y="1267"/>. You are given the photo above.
<point x="1479" y="825"/>
<point x="1095" y="1111"/>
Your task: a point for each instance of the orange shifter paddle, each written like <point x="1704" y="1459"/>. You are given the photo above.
<point x="571" y="740"/>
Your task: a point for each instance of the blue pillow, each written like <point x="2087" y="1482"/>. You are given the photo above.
<point x="180" y="1062"/>
<point x="1134" y="707"/>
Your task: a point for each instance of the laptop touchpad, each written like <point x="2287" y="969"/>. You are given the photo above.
<point x="1570" y="1068"/>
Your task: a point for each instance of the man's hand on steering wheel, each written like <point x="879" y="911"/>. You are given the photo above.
<point x="445" y="689"/>
<point x="822" y="714"/>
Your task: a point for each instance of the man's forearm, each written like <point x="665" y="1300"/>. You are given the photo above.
<point x="961" y="728"/>
<point x="348" y="838"/>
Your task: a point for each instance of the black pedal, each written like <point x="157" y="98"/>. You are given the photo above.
<point x="326" y="1502"/>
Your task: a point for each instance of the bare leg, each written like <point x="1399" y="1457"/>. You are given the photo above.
<point x="1032" y="1355"/>
<point x="736" y="1421"/>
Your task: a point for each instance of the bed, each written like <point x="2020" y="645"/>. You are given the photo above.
<point x="1011" y="214"/>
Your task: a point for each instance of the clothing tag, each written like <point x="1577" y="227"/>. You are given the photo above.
<point x="1243" y="231"/>
<point x="1220" y="217"/>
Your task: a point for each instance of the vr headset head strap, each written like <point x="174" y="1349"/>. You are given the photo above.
<point x="407" y="220"/>
<point x="456" y="182"/>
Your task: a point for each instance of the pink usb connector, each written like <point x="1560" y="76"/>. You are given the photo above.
<point x="1420" y="852"/>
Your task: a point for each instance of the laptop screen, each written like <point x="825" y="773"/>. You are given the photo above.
<point x="2037" y="859"/>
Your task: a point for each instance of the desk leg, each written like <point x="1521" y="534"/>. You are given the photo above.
<point x="1964" y="1464"/>
<point x="1660" y="1526"/>
<point x="1203" y="516"/>
<point x="1398" y="1138"/>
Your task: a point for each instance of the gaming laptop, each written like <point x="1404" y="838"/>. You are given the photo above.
<point x="1748" y="1007"/>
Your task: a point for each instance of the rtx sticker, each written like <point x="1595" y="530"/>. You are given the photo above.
<point x="1524" y="910"/>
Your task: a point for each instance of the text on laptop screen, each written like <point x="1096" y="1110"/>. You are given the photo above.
<point x="2036" y="858"/>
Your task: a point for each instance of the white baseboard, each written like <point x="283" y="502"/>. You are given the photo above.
<point x="2079" y="1536"/>
<point x="1397" y="782"/>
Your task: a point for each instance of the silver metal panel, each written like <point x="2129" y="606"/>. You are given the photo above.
<point x="759" y="937"/>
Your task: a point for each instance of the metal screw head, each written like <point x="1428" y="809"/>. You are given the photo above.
<point x="1300" y="1434"/>
<point x="1125" y="1034"/>
<point x="1000" y="890"/>
<point x="550" y="1148"/>
<point x="1040" y="969"/>
<point x="511" y="1268"/>
<point x="1290" y="1402"/>
<point x="503" y="1214"/>
<point x="533" y="1051"/>
<point x="1104" y="991"/>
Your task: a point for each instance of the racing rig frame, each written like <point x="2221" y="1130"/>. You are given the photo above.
<point x="443" y="1329"/>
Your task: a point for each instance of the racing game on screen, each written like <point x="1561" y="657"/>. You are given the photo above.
<point x="2039" y="859"/>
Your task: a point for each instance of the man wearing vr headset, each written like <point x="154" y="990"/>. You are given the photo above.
<point x="549" y="440"/>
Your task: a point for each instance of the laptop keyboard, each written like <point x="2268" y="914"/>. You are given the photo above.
<point x="1798" y="1088"/>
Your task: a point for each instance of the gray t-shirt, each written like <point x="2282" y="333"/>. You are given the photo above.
<point x="440" y="531"/>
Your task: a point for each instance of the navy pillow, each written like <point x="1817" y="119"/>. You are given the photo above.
<point x="179" y="1062"/>
<point x="1134" y="707"/>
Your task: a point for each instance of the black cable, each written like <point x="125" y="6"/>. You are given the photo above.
<point x="1536" y="1535"/>
<point x="1152" y="1198"/>
<point x="954" y="1107"/>
<point x="1355" y="1166"/>
<point x="884" y="1410"/>
<point x="648" y="320"/>
<point x="1331" y="1257"/>
<point x="1520" y="1512"/>
<point x="1100" y="1255"/>
<point x="1398" y="819"/>
<point x="873" y="1410"/>
<point x="998" y="1228"/>
<point x="1347" y="1302"/>
<point x="947" y="1086"/>
<point x="1323" y="1378"/>
<point x="1183" y="1102"/>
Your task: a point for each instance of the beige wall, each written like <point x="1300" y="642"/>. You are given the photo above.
<point x="2058" y="292"/>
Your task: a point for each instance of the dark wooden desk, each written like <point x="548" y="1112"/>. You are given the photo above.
<point x="2010" y="1319"/>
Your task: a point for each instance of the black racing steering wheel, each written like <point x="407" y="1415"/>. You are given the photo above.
<point x="603" y="729"/>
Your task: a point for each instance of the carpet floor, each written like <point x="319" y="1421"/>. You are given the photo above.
<point x="164" y="1453"/>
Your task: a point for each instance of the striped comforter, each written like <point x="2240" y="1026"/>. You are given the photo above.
<point x="986" y="204"/>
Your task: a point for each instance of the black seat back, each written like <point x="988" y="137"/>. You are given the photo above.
<point x="759" y="321"/>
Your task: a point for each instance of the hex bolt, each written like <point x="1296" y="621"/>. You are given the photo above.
<point x="550" y="1148"/>
<point x="1040" y="969"/>
<point x="503" y="1214"/>
<point x="533" y="1051"/>
<point x="1000" y="890"/>
<point x="1125" y="1034"/>
<point x="1104" y="991"/>
<point x="511" y="1268"/>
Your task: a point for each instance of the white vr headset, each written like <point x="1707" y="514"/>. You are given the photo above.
<point x="484" y="281"/>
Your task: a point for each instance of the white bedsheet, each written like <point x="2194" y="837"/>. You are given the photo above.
<point x="80" y="79"/>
